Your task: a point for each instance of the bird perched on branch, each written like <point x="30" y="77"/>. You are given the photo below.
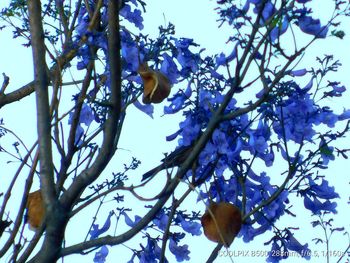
<point x="174" y="159"/>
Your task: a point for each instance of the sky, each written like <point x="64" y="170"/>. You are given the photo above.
<point x="193" y="19"/>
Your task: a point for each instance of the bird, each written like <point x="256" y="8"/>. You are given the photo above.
<point x="174" y="159"/>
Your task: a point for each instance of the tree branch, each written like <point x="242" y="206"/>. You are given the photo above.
<point x="19" y="218"/>
<point x="42" y="100"/>
<point x="214" y="253"/>
<point x="54" y="215"/>
<point x="110" y="128"/>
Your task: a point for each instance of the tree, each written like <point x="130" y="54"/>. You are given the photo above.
<point x="227" y="144"/>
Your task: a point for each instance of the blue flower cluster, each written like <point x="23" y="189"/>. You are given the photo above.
<point x="241" y="147"/>
<point x="281" y="19"/>
<point x="152" y="252"/>
<point x="282" y="245"/>
<point x="86" y="117"/>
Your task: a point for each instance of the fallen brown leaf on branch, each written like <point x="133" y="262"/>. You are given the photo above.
<point x="156" y="86"/>
<point x="222" y="222"/>
<point x="35" y="209"/>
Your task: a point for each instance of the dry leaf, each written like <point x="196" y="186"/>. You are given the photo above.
<point x="156" y="86"/>
<point x="227" y="223"/>
<point x="35" y="209"/>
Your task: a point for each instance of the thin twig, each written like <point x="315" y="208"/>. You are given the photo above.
<point x="4" y="84"/>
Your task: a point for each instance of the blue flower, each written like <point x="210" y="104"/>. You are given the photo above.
<point x="268" y="158"/>
<point x="179" y="101"/>
<point x="258" y="138"/>
<point x="134" y="17"/>
<point x="222" y="59"/>
<point x="208" y="154"/>
<point x="176" y="105"/>
<point x="249" y="232"/>
<point x="299" y="116"/>
<point x="190" y="130"/>
<point x="151" y="253"/>
<point x="172" y="137"/>
<point x="323" y="190"/>
<point x="184" y="43"/>
<point x="309" y="85"/>
<point x="337" y="91"/>
<point x="96" y="231"/>
<point x="145" y="108"/>
<point x="220" y="142"/>
<point x="215" y="75"/>
<point x="246" y="6"/>
<point x="128" y="220"/>
<point x="130" y="57"/>
<point x="86" y="115"/>
<point x="169" y="68"/>
<point x="236" y="150"/>
<point x="258" y="143"/>
<point x="181" y="252"/>
<point x="344" y="116"/>
<point x="188" y="60"/>
<point x="161" y="221"/>
<point x="294" y="245"/>
<point x="275" y="254"/>
<point x="312" y="26"/>
<point x="190" y="226"/>
<point x="276" y="208"/>
<point x="84" y="54"/>
<point x="262" y="178"/>
<point x="279" y="29"/>
<point x="269" y="10"/>
<point x="100" y="256"/>
<point x="329" y="118"/>
<point x="298" y="73"/>
<point x="326" y="152"/>
<point x="316" y="206"/>
<point x="209" y="99"/>
<point x="303" y="1"/>
<point x="83" y="22"/>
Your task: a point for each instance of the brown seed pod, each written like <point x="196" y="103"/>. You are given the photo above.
<point x="227" y="223"/>
<point x="35" y="209"/>
<point x="156" y="86"/>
